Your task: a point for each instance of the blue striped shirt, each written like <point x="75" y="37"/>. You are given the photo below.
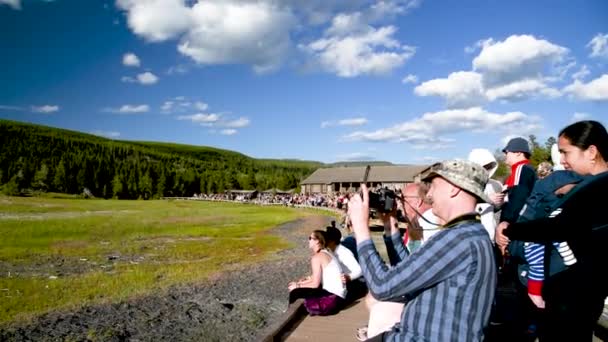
<point x="448" y="284"/>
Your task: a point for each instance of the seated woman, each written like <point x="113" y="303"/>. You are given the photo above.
<point x="323" y="291"/>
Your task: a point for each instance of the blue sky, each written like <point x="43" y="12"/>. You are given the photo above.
<point x="397" y="80"/>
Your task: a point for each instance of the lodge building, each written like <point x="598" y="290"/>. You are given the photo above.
<point x="346" y="179"/>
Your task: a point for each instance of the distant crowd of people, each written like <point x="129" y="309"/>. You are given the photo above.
<point x="479" y="260"/>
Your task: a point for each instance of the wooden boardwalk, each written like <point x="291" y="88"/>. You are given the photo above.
<point x="336" y="328"/>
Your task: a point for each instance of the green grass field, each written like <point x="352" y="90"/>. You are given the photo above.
<point x="63" y="253"/>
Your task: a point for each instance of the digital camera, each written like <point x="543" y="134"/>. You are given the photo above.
<point x="382" y="200"/>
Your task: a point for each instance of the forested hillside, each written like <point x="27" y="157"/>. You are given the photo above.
<point x="39" y="158"/>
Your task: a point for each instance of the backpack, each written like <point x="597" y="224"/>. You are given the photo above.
<point x="541" y="203"/>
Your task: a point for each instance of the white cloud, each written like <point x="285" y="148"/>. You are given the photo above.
<point x="580" y="116"/>
<point x="461" y="89"/>
<point x="518" y="68"/>
<point x="432" y="130"/>
<point x="107" y="134"/>
<point x="179" y="69"/>
<point x="228" y="131"/>
<point x="410" y="79"/>
<point x="353" y="122"/>
<point x="16" y="108"/>
<point x="201" y="118"/>
<point x="156" y="20"/>
<point x="599" y="46"/>
<point x="350" y="50"/>
<point x="520" y="90"/>
<point x="129" y="109"/>
<point x="201" y="105"/>
<point x="581" y="73"/>
<point x="130" y="59"/>
<point x="478" y="45"/>
<point x="167" y="107"/>
<point x="45" y="109"/>
<point x="516" y="58"/>
<point x="147" y="78"/>
<point x="238" y="123"/>
<point x="225" y="32"/>
<point x="345" y="122"/>
<point x="595" y="90"/>
<point x="15" y="4"/>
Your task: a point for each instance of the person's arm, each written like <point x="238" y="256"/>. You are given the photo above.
<point x="317" y="272"/>
<point x="348" y="259"/>
<point x="395" y="249"/>
<point x="518" y="194"/>
<point x="438" y="259"/>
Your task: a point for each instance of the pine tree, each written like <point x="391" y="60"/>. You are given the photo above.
<point x="60" y="177"/>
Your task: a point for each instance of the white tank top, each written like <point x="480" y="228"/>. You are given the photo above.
<point x="332" y="276"/>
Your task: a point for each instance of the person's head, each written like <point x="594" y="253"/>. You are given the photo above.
<point x="517" y="149"/>
<point x="484" y="158"/>
<point x="456" y="187"/>
<point x="583" y="147"/>
<point x="544" y="169"/>
<point x="415" y="195"/>
<point x="317" y="240"/>
<point x="333" y="237"/>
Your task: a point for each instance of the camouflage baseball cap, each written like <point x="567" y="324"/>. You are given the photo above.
<point x="464" y="174"/>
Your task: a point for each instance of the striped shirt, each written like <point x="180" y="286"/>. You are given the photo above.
<point x="448" y="284"/>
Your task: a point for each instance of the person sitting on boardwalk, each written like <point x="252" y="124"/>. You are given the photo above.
<point x="449" y="281"/>
<point x="323" y="291"/>
<point x="355" y="284"/>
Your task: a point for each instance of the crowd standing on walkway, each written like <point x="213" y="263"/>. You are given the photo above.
<point x="542" y="235"/>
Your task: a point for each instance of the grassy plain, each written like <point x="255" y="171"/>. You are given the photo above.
<point x="64" y="253"/>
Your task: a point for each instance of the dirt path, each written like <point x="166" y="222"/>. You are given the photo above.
<point x="232" y="306"/>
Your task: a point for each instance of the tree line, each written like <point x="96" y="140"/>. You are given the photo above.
<point x="39" y="158"/>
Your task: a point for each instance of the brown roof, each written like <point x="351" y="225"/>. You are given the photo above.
<point x="385" y="174"/>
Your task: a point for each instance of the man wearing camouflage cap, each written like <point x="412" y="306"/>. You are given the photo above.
<point x="449" y="282"/>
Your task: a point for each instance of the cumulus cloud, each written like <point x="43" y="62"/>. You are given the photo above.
<point x="129" y="109"/>
<point x="599" y="46"/>
<point x="147" y="78"/>
<point x="226" y="32"/>
<point x="432" y="129"/>
<point x="45" y="109"/>
<point x="520" y="90"/>
<point x="130" y="59"/>
<point x="351" y="48"/>
<point x="410" y="79"/>
<point x="345" y="122"/>
<point x="517" y="57"/>
<point x="107" y="134"/>
<point x="259" y="33"/>
<point x="595" y="90"/>
<point x="156" y="20"/>
<point x="461" y="89"/>
<point x="518" y="68"/>
<point x="14" y="4"/>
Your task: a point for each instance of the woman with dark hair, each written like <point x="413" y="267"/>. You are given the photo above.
<point x="574" y="298"/>
<point x="323" y="291"/>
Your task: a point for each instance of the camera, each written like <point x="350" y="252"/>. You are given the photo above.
<point x="382" y="200"/>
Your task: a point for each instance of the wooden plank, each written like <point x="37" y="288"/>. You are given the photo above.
<point x="335" y="328"/>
